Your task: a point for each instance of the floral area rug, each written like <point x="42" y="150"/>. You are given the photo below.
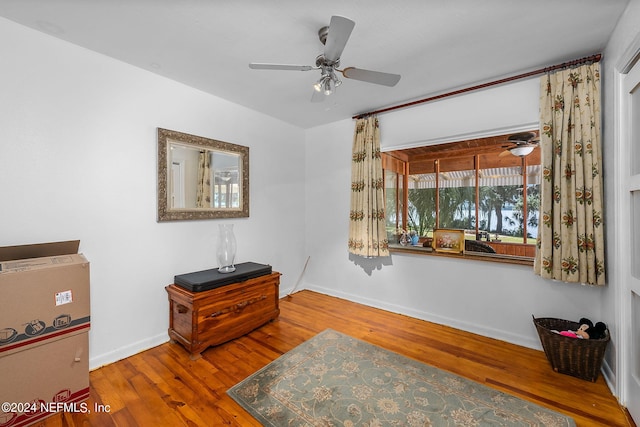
<point x="337" y="380"/>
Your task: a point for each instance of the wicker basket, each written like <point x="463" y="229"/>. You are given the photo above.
<point x="581" y="358"/>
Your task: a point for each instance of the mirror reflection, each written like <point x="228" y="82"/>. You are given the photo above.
<point x="201" y="178"/>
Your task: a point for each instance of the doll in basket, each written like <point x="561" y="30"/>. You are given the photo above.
<point x="586" y="330"/>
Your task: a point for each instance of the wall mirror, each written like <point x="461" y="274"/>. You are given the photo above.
<point x="201" y="178"/>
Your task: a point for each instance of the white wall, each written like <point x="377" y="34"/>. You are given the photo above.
<point x="499" y="110"/>
<point x="491" y="299"/>
<point x="78" y="161"/>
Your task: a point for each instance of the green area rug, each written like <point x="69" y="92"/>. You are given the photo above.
<point x="337" y="380"/>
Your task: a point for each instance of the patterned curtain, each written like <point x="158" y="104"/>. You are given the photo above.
<point x="570" y="237"/>
<point x="367" y="232"/>
<point x="203" y="195"/>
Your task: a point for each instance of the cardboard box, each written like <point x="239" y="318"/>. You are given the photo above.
<point x="38" y="250"/>
<point x="44" y="320"/>
<point x="50" y="378"/>
<point x="42" y="299"/>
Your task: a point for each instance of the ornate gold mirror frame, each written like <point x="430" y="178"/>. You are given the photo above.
<point x="201" y="178"/>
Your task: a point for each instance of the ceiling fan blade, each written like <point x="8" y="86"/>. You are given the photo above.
<point x="522" y="137"/>
<point x="375" y="77"/>
<point x="339" y="32"/>
<point x="317" y="96"/>
<point x="263" y="66"/>
<point x="504" y="153"/>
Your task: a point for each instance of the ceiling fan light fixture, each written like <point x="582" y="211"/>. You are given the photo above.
<point x="521" y="151"/>
<point x="318" y="85"/>
<point x="328" y="86"/>
<point x="324" y="85"/>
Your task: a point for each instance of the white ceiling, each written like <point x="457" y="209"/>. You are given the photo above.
<point x="436" y="45"/>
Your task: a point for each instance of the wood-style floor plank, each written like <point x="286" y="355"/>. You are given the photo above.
<point x="163" y="385"/>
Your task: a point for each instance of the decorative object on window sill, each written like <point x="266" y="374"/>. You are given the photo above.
<point x="414" y="238"/>
<point x="448" y="240"/>
<point x="406" y="238"/>
<point x="226" y="249"/>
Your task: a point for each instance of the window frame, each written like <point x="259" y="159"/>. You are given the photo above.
<point x="394" y="162"/>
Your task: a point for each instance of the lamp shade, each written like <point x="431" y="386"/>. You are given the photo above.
<point x="521" y="151"/>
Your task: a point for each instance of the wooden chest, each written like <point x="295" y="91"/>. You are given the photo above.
<point x="198" y="320"/>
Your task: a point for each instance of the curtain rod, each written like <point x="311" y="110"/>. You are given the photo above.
<point x="588" y="59"/>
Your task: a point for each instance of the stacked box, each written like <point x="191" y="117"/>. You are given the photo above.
<point x="44" y="324"/>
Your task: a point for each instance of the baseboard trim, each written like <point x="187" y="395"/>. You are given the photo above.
<point x="630" y="420"/>
<point x="126" y="351"/>
<point x="502" y="335"/>
<point x="609" y="377"/>
<point x="142" y="345"/>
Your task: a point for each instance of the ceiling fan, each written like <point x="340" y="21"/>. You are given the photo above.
<point x="521" y="144"/>
<point x="334" y="37"/>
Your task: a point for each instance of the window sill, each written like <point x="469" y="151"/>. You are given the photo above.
<point x="476" y="256"/>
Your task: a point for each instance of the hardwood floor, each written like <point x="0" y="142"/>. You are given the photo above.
<point x="163" y="387"/>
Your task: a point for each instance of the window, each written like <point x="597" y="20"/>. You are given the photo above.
<point x="475" y="185"/>
<point x="394" y="173"/>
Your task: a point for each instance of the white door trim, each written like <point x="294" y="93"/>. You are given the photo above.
<point x="620" y="257"/>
